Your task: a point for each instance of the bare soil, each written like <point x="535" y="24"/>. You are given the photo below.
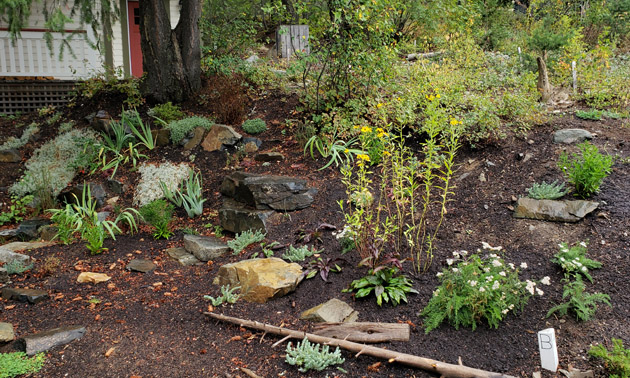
<point x="155" y="324"/>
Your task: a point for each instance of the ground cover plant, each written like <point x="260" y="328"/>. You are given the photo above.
<point x="245" y="239"/>
<point x="17" y="363"/>
<point x="617" y="359"/>
<point x="544" y="190"/>
<point x="586" y="170"/>
<point x="581" y="303"/>
<point x="307" y="356"/>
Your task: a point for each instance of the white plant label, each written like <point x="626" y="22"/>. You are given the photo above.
<point x="548" y="349"/>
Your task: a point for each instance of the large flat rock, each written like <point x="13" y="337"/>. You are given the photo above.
<point x="261" y="279"/>
<point x="569" y="136"/>
<point x="556" y="211"/>
<point x="43" y="341"/>
<point x="31" y="296"/>
<point x="236" y="217"/>
<point x="220" y="136"/>
<point x="332" y="311"/>
<point x="8" y="256"/>
<point x="182" y="256"/>
<point x="205" y="248"/>
<point x="280" y="193"/>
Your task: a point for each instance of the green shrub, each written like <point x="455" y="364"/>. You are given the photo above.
<point x="299" y="254"/>
<point x="574" y="261"/>
<point x="16" y="210"/>
<point x="227" y="296"/>
<point x="586" y="171"/>
<point x="591" y="115"/>
<point x="477" y="289"/>
<point x="617" y="360"/>
<point x="244" y="239"/>
<point x="55" y="161"/>
<point x="546" y="191"/>
<point x="166" y="113"/>
<point x="254" y="126"/>
<point x="17" y="363"/>
<point x="583" y="304"/>
<point x="158" y="214"/>
<point x="14" y="142"/>
<point x="17" y="267"/>
<point x="386" y="284"/>
<point x="309" y="356"/>
<point x="181" y="128"/>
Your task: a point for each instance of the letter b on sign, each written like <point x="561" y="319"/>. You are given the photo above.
<point x="548" y="349"/>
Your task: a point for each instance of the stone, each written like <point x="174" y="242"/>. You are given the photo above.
<point x="162" y="137"/>
<point x="8" y="256"/>
<point x="280" y="193"/>
<point x="4" y="275"/>
<point x="101" y="122"/>
<point x="254" y="140"/>
<point x="141" y="265"/>
<point x="261" y="279"/>
<point x="73" y="194"/>
<point x="43" y="341"/>
<point x="6" y="332"/>
<point x="557" y="211"/>
<point x="252" y="59"/>
<point x="250" y="148"/>
<point x="91" y="277"/>
<point x="269" y="156"/>
<point x="27" y="246"/>
<point x="116" y="186"/>
<point x="102" y="215"/>
<point x="10" y="155"/>
<point x="235" y="217"/>
<point x="482" y="177"/>
<point x="569" y="136"/>
<point x="333" y="311"/>
<point x="30" y="227"/>
<point x="205" y="248"/>
<point x="197" y="137"/>
<point x="31" y="296"/>
<point x="47" y="232"/>
<point x="8" y="233"/>
<point x="220" y="136"/>
<point x="181" y="255"/>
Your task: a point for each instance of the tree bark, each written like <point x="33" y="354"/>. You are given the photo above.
<point x="444" y="369"/>
<point x="170" y="58"/>
<point x="544" y="86"/>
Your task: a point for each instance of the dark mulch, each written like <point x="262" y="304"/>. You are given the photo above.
<point x="155" y="322"/>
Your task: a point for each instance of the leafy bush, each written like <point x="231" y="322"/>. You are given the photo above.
<point x="586" y="171"/>
<point x="574" y="261"/>
<point x="166" y="113"/>
<point x="254" y="126"/>
<point x="14" y="142"/>
<point x="105" y="83"/>
<point x="477" y="289"/>
<point x="57" y="160"/>
<point x="583" y="304"/>
<point x="227" y="296"/>
<point x="244" y="239"/>
<point x="17" y="363"/>
<point x="591" y="115"/>
<point x="386" y="284"/>
<point x="181" y="128"/>
<point x="151" y="176"/>
<point x="16" y="210"/>
<point x="299" y="254"/>
<point x="617" y="360"/>
<point x="66" y="225"/>
<point x="17" y="267"/>
<point x="309" y="356"/>
<point x="158" y="213"/>
<point x="546" y="191"/>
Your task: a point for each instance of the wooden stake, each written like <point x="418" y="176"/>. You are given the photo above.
<point x="437" y="367"/>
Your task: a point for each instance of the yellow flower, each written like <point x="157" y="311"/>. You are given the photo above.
<point x="455" y="122"/>
<point x="379" y="105"/>
<point x="363" y="157"/>
<point x="346" y="151"/>
<point x="380" y="135"/>
<point x="356" y="127"/>
<point x="380" y="130"/>
<point x="437" y="95"/>
<point x="431" y="98"/>
<point x="399" y="99"/>
<point x="366" y="129"/>
<point x="386" y="153"/>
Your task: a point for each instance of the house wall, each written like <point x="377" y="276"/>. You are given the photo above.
<point x="29" y="55"/>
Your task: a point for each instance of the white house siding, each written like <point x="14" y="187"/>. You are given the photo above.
<point x="30" y="56"/>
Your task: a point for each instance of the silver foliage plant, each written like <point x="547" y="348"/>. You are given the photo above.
<point x="309" y="356"/>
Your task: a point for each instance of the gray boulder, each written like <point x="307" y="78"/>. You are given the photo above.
<point x="280" y="193"/>
<point x="556" y="211"/>
<point x="31" y="296"/>
<point x="182" y="256"/>
<point x="569" y="136"/>
<point x="6" y="332"/>
<point x="10" y="156"/>
<point x="141" y="265"/>
<point x="43" y="341"/>
<point x="205" y="248"/>
<point x="195" y="139"/>
<point x="29" y="229"/>
<point x="333" y="311"/>
<point x="8" y="256"/>
<point x="236" y="217"/>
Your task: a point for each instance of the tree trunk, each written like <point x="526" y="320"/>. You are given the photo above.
<point x="170" y="58"/>
<point x="544" y="87"/>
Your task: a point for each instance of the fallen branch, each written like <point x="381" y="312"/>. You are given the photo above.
<point x="364" y="332"/>
<point x="441" y="368"/>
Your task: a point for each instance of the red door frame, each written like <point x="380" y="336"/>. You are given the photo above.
<point x="133" y="30"/>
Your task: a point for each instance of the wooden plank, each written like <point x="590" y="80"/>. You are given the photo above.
<point x="364" y="332"/>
